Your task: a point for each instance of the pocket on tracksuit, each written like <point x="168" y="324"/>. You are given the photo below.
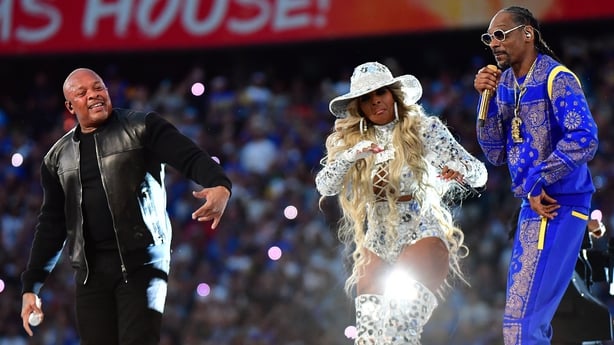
<point x="544" y="225"/>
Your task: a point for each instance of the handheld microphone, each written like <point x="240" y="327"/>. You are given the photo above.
<point x="486" y="95"/>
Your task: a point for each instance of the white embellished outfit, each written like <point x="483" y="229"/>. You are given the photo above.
<point x="399" y="321"/>
<point x="415" y="221"/>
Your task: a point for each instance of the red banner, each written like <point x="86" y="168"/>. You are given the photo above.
<point x="48" y="26"/>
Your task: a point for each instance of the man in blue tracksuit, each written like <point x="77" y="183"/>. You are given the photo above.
<point x="537" y="122"/>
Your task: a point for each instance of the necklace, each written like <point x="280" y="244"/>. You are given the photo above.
<point x="516" y="121"/>
<point x="383" y="136"/>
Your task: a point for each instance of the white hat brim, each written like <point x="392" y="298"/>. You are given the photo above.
<point x="410" y="86"/>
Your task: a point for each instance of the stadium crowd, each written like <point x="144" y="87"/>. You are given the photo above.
<point x="268" y="132"/>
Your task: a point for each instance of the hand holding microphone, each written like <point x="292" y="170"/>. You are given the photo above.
<point x="31" y="311"/>
<point x="486" y="90"/>
<point x="35" y="317"/>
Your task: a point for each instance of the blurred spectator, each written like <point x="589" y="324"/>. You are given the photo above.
<point x="259" y="152"/>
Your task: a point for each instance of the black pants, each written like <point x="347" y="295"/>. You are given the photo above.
<point x="111" y="311"/>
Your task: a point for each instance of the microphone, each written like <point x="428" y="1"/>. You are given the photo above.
<point x="486" y="95"/>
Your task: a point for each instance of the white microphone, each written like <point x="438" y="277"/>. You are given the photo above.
<point x="35" y="319"/>
<point x="486" y="95"/>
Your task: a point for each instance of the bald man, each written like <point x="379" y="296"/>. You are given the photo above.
<point x="104" y="198"/>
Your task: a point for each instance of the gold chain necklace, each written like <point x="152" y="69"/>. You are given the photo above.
<point x="516" y="121"/>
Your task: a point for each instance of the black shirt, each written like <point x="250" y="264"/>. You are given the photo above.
<point x="97" y="221"/>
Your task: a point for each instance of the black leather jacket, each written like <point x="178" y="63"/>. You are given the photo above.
<point x="134" y="187"/>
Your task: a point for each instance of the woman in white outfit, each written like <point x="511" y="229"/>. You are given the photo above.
<point x="390" y="166"/>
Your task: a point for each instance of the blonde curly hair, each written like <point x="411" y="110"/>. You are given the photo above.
<point x="357" y="190"/>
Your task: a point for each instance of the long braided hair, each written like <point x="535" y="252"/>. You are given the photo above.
<point x="522" y="15"/>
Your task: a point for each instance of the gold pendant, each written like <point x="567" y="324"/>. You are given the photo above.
<point x="516" y="122"/>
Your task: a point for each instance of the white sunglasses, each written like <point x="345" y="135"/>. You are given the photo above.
<point x="498" y="34"/>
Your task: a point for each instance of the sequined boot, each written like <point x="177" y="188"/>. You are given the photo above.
<point x="403" y="317"/>
<point x="368" y="319"/>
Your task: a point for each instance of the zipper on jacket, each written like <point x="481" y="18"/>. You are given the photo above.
<point x="87" y="266"/>
<point x="119" y="249"/>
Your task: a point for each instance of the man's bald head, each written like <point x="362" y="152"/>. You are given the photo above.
<point x="78" y="71"/>
<point x="87" y="98"/>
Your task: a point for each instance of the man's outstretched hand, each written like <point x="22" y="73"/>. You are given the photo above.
<point x="216" y="199"/>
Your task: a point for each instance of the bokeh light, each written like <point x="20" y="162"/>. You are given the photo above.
<point x="198" y="89"/>
<point x="275" y="253"/>
<point x="290" y="212"/>
<point x="351" y="332"/>
<point x="17" y="159"/>
<point x="596" y="214"/>
<point x="1" y="285"/>
<point x="599" y="181"/>
<point x="216" y="159"/>
<point x="203" y="289"/>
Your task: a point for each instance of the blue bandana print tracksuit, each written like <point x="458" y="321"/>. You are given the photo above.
<point x="559" y="138"/>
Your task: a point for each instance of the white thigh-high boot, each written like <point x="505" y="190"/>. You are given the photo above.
<point x="368" y="319"/>
<point x="404" y="316"/>
<point x="394" y="320"/>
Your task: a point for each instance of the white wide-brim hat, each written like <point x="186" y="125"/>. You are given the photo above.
<point x="371" y="76"/>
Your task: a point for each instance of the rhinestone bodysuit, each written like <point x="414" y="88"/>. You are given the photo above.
<point x="415" y="221"/>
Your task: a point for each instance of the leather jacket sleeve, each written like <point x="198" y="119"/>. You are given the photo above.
<point x="49" y="236"/>
<point x="183" y="155"/>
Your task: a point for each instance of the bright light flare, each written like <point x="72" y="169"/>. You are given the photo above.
<point x="216" y="159"/>
<point x="2" y="285"/>
<point x="399" y="284"/>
